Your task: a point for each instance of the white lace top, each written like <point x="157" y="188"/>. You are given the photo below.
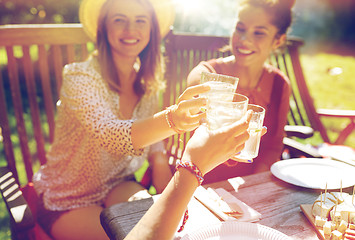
<point x="92" y="150"/>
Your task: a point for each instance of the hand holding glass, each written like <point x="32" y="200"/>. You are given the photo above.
<point x="225" y="108"/>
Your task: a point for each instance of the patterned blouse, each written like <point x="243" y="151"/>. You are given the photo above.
<point x="92" y="150"/>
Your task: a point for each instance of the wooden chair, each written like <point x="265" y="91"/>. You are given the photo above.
<point x="29" y="85"/>
<point x="303" y="114"/>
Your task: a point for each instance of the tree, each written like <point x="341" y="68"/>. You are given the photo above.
<point x="38" y="11"/>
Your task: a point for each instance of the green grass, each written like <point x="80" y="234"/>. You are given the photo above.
<point x="328" y="92"/>
<point x="331" y="91"/>
<point x="4" y="222"/>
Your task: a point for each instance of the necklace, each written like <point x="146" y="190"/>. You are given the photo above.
<point x="248" y="87"/>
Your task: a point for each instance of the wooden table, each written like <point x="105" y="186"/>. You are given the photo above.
<point x="277" y="201"/>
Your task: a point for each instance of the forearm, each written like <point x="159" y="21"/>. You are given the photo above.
<point x="150" y="130"/>
<point x="162" y="219"/>
<point x="185" y="116"/>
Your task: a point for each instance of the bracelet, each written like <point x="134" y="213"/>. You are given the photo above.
<point x="192" y="168"/>
<point x="169" y="120"/>
<point x="198" y="174"/>
<point x="186" y="216"/>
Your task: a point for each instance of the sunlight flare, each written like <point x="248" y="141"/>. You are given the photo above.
<point x="189" y="6"/>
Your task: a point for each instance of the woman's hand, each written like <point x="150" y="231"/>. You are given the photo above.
<point x="186" y="115"/>
<point x="207" y="149"/>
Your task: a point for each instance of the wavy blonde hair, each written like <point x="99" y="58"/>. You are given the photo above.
<point x="149" y="77"/>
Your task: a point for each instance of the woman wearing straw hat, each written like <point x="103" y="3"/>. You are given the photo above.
<point x="107" y="118"/>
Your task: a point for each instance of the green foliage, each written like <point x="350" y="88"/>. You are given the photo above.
<point x="38" y="11"/>
<point x="329" y="20"/>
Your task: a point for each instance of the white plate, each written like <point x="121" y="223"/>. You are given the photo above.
<point x="315" y="173"/>
<point x="236" y="231"/>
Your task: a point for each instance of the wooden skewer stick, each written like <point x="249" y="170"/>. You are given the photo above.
<point x="352" y="200"/>
<point x="336" y="205"/>
<point x="341" y="190"/>
<point x="321" y="204"/>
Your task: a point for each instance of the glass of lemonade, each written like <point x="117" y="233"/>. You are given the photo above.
<point x="225" y="108"/>
<point x="218" y="83"/>
<point x="251" y="148"/>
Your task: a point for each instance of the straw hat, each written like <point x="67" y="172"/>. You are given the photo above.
<point x="90" y="9"/>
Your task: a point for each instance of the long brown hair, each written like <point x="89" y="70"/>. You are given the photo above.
<point x="150" y="73"/>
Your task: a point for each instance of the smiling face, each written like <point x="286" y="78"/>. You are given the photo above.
<point x="128" y="27"/>
<point x="254" y="36"/>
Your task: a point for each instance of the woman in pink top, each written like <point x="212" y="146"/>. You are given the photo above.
<point x="260" y="29"/>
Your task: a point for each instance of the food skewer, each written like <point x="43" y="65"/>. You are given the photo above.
<point x="336" y="227"/>
<point x="352" y="200"/>
<point x="321" y="204"/>
<point x="341" y="187"/>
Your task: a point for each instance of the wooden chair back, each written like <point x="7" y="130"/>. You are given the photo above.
<point x="303" y="111"/>
<point x="29" y="84"/>
<point x="31" y="62"/>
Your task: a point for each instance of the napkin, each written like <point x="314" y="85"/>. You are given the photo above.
<point x="219" y="201"/>
<point x="338" y="152"/>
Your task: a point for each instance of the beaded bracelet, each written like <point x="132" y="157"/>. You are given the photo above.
<point x="198" y="174"/>
<point x="192" y="168"/>
<point x="186" y="216"/>
<point x="169" y="120"/>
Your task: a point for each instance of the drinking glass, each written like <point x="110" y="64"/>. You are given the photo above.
<point x="225" y="108"/>
<point x="218" y="83"/>
<point x="251" y="148"/>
